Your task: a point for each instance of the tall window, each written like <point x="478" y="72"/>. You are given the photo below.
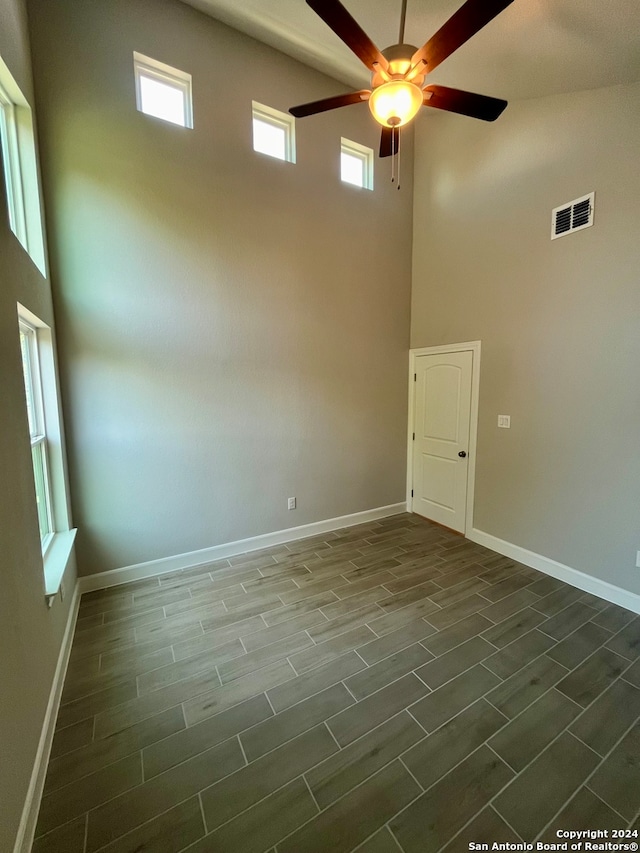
<point x="45" y="431"/>
<point x="18" y="148"/>
<point x="37" y="429"/>
<point x="11" y="164"/>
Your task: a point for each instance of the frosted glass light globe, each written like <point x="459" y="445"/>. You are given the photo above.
<point x="395" y="103"/>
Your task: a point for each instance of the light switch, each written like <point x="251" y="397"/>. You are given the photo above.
<point x="504" y="421"/>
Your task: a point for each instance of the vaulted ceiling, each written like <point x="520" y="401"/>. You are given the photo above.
<point x="534" y="48"/>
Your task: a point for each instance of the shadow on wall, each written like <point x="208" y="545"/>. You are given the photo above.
<point x="217" y="322"/>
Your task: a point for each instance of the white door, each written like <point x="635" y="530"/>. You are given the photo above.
<point x="441" y="443"/>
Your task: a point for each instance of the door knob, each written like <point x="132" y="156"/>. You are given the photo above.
<point x="462" y="454"/>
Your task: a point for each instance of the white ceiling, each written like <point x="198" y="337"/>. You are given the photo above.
<point x="534" y="48"/>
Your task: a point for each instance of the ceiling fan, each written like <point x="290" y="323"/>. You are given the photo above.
<point x="398" y="72"/>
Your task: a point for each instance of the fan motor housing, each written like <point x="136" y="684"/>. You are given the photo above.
<point x="399" y="51"/>
<point x="399" y="58"/>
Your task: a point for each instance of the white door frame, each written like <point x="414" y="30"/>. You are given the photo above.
<point x="469" y="346"/>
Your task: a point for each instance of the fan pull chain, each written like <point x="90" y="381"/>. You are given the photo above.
<point x="393" y="157"/>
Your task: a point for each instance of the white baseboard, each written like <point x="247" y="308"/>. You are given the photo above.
<point x="588" y="583"/>
<point x="150" y="569"/>
<point x="27" y="828"/>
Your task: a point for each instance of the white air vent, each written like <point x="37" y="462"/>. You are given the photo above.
<point x="573" y="216"/>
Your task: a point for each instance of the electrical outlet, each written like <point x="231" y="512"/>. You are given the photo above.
<point x="504" y="421"/>
<point x="291" y="503"/>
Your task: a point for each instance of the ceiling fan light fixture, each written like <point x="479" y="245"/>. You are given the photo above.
<point x="395" y="103"/>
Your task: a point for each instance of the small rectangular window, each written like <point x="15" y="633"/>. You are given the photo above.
<point x="356" y="164"/>
<point x="273" y="133"/>
<point x="162" y="91"/>
<point x="18" y="148"/>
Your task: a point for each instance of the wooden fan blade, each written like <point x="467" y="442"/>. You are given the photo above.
<point x="388" y="142"/>
<point x="325" y="104"/>
<point x="464" y="103"/>
<point x="466" y="22"/>
<point x="346" y="28"/>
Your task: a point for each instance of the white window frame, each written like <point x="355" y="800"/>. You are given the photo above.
<point x="37" y="425"/>
<point x="45" y="431"/>
<point x="152" y="69"/>
<point x="280" y="120"/>
<point x="17" y="140"/>
<point x="362" y="153"/>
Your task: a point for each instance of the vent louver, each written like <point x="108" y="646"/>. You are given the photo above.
<point x="573" y="216"/>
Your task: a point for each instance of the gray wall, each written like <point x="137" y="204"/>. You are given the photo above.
<point x="30" y="634"/>
<point x="558" y="320"/>
<point x="234" y="330"/>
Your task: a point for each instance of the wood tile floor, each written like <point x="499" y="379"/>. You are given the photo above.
<point x="387" y="687"/>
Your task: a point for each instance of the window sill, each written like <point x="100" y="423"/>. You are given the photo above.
<point x="56" y="561"/>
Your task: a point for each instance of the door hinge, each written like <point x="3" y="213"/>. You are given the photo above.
<point x="415" y="376"/>
<point x="411" y="492"/>
<point x="414" y="436"/>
